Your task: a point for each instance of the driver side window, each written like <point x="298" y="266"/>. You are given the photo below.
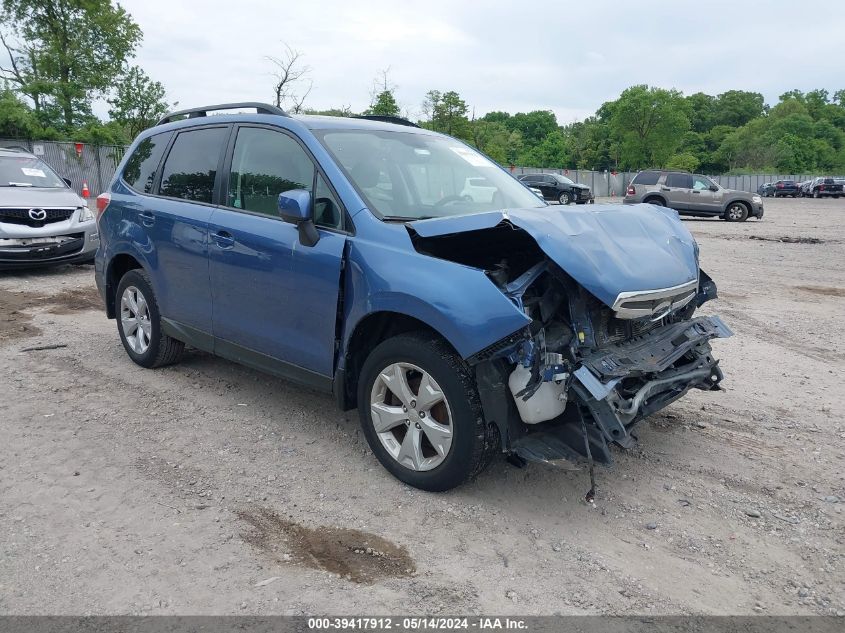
<point x="266" y="163"/>
<point x="700" y="183"/>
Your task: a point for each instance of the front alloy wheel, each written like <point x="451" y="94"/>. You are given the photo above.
<point x="565" y="198"/>
<point x="411" y="416"/>
<point x="737" y="212"/>
<point x="421" y="413"/>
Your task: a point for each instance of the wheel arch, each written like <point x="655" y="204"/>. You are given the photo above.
<point x="118" y="266"/>
<point x="368" y="332"/>
<point x="649" y="199"/>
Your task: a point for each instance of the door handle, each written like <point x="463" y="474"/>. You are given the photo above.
<point x="147" y="218"/>
<point x="664" y="189"/>
<point x="224" y="240"/>
<point x="696" y="191"/>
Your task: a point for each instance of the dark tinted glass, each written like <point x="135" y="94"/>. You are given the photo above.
<point x="265" y="164"/>
<point x="327" y="211"/>
<point x="191" y="166"/>
<point x="140" y="171"/>
<point x="646" y="178"/>
<point x="683" y="181"/>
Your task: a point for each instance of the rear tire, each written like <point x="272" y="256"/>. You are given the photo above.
<point x="139" y="323"/>
<point x="408" y="448"/>
<point x="660" y="202"/>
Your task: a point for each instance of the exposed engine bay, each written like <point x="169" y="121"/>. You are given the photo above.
<point x="583" y="373"/>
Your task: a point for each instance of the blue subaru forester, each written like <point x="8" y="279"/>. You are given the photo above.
<point x="410" y="276"/>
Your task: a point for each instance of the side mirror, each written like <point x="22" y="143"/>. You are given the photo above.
<point x="295" y="207"/>
<point x="67" y="182"/>
<point x="714" y="188"/>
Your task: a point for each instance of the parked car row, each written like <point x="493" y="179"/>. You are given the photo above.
<point x="820" y="187"/>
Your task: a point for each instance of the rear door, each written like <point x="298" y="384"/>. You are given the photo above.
<point x="175" y="223"/>
<point x="272" y="296"/>
<point x="702" y="198"/>
<point x="676" y="189"/>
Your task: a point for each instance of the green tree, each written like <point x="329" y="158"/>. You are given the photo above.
<point x="72" y="51"/>
<point x="551" y="152"/>
<point x="648" y="124"/>
<point x="138" y="101"/>
<point x="738" y="107"/>
<point x="447" y="113"/>
<point x="384" y="104"/>
<point x="683" y="161"/>
<point x="534" y="126"/>
<point x="16" y="119"/>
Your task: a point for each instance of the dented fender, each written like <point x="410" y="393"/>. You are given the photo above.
<point x="459" y="302"/>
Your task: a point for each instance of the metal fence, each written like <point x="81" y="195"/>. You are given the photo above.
<point x="612" y="184"/>
<point x="91" y="164"/>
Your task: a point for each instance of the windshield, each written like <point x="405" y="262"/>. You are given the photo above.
<point x="27" y="171"/>
<point x="564" y="180"/>
<point x="408" y="176"/>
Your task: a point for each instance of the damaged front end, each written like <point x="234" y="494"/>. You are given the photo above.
<point x="585" y="371"/>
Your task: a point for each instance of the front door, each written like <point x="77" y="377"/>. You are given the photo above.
<point x="703" y="199"/>
<point x="271" y="295"/>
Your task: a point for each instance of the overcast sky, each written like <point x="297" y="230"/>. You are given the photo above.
<point x="568" y="57"/>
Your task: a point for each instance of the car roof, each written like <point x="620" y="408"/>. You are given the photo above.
<point x="16" y="151"/>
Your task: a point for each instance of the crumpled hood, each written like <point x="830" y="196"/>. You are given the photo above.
<point x="33" y="197"/>
<point x="608" y="248"/>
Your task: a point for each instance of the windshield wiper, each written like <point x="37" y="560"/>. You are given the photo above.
<point x="19" y="184"/>
<point x="404" y="218"/>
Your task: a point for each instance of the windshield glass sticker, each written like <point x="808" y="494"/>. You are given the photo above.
<point x="474" y="159"/>
<point x="32" y="172"/>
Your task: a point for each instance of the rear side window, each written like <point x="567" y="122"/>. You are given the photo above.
<point x="140" y="170"/>
<point x="191" y="166"/>
<point x="646" y="178"/>
<point x="683" y="181"/>
<point x="265" y="164"/>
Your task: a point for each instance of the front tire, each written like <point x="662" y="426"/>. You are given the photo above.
<point x="139" y="323"/>
<point x="565" y="197"/>
<point x="421" y="413"/>
<point x="736" y="212"/>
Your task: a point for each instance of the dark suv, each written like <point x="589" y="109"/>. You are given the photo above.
<point x="693" y="194"/>
<point x="346" y="254"/>
<point x="559" y="188"/>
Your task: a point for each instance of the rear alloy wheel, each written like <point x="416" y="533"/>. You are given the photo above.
<point x="737" y="212"/>
<point x="421" y="414"/>
<point x="139" y="323"/>
<point x="565" y="198"/>
<point x="815" y="194"/>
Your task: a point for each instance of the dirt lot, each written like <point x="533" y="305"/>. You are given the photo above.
<point x="210" y="488"/>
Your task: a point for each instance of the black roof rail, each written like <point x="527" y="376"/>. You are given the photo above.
<point x="194" y="113"/>
<point x="386" y="118"/>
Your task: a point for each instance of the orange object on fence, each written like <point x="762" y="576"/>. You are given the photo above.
<point x="85" y="193"/>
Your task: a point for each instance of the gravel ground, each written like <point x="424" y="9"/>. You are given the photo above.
<point x="210" y="488"/>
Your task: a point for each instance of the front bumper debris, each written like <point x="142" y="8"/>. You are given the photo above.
<point x="624" y="383"/>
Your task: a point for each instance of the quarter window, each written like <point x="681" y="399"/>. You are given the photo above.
<point x="266" y="163"/>
<point x="140" y="170"/>
<point x="646" y="178"/>
<point x="191" y="166"/>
